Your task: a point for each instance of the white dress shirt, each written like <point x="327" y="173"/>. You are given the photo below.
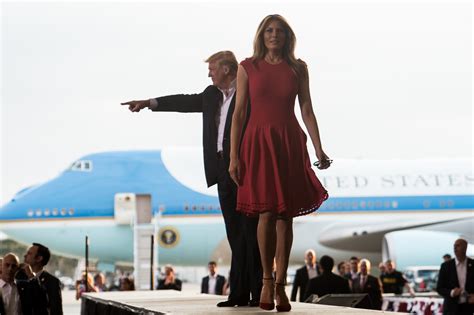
<point x="363" y="279"/>
<point x="354" y="275"/>
<point x="212" y="284"/>
<point x="312" y="272"/>
<point x="461" y="271"/>
<point x="11" y="298"/>
<point x="222" y="114"/>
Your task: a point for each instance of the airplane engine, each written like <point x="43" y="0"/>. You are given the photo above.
<point x="418" y="247"/>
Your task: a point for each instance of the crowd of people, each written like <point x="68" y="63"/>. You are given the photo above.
<point x="353" y="276"/>
<point x="213" y="283"/>
<point x="322" y="277"/>
<point x="98" y="283"/>
<point x="455" y="281"/>
<point x="27" y="288"/>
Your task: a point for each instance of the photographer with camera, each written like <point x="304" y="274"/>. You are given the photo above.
<point x="85" y="286"/>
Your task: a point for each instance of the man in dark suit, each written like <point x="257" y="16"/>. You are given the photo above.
<point x="456" y="282"/>
<point x="216" y="103"/>
<point x="354" y="271"/>
<point x="37" y="256"/>
<point x="366" y="283"/>
<point x="327" y="282"/>
<point x="213" y="283"/>
<point x="309" y="271"/>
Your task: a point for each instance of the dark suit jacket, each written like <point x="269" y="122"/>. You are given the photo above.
<point x="372" y="287"/>
<point x="448" y="280"/>
<point x="176" y="286"/>
<point x="34" y="300"/>
<point x="327" y="283"/>
<point x="219" y="284"/>
<point x="300" y="282"/>
<point x="207" y="103"/>
<point x="52" y="286"/>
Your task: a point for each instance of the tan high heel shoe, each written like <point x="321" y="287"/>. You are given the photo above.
<point x="268" y="282"/>
<point x="280" y="295"/>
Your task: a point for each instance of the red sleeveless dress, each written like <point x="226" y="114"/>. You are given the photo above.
<point x="275" y="168"/>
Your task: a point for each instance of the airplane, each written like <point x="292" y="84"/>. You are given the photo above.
<point x="410" y="211"/>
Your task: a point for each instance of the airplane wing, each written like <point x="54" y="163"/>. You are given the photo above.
<point x="368" y="237"/>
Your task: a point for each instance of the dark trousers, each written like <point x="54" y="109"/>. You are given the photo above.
<point x="461" y="309"/>
<point x="246" y="268"/>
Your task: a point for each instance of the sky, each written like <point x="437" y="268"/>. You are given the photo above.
<point x="389" y="80"/>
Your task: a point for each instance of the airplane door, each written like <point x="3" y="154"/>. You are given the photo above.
<point x="126" y="206"/>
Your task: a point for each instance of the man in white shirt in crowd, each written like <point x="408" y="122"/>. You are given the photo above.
<point x="354" y="273"/>
<point x="309" y="271"/>
<point x="456" y="282"/>
<point x="10" y="303"/>
<point x="213" y="283"/>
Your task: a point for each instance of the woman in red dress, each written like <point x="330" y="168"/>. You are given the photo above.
<point x="272" y="166"/>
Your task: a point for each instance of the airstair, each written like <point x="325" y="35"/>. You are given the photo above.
<point x="136" y="210"/>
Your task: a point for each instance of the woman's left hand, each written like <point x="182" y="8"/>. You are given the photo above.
<point x="324" y="160"/>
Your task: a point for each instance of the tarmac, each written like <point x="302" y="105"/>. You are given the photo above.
<point x="70" y="305"/>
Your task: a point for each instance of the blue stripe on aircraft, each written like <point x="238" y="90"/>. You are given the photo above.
<point x="332" y="205"/>
<point x="399" y="203"/>
<point x="376" y="204"/>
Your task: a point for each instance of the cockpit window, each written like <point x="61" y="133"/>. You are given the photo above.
<point x="81" y="166"/>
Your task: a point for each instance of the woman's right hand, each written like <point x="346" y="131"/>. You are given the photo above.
<point x="234" y="171"/>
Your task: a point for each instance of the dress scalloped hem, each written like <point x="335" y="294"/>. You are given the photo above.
<point x="281" y="209"/>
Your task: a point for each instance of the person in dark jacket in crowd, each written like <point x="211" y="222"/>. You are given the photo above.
<point x="366" y="283"/>
<point x="309" y="271"/>
<point x="327" y="282"/>
<point x="213" y="283"/>
<point x="170" y="282"/>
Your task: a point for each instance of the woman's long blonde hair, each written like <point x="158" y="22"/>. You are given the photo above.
<point x="259" y="49"/>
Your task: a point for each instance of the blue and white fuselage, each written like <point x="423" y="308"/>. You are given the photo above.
<point x="374" y="207"/>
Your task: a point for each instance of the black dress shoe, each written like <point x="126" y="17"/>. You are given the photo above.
<point x="232" y="303"/>
<point x="254" y="303"/>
